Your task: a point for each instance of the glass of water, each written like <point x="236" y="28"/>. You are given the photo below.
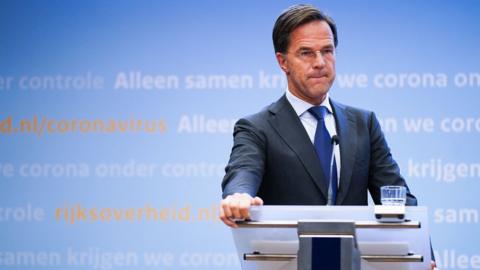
<point x="393" y="195"/>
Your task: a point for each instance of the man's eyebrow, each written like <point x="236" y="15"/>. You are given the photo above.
<point x="305" y="48"/>
<point x="328" y="46"/>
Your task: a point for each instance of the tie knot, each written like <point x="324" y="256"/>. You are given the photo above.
<point x="318" y="111"/>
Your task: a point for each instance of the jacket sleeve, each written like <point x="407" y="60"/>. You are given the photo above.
<point x="383" y="168"/>
<point x="246" y="166"/>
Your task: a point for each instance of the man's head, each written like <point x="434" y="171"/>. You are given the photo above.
<point x="304" y="40"/>
<point x="292" y="18"/>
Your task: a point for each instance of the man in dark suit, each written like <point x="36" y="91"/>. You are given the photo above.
<point x="280" y="156"/>
<point x="283" y="155"/>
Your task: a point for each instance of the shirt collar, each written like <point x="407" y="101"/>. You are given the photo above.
<point x="301" y="106"/>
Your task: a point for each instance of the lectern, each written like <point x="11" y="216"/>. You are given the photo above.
<point x="331" y="237"/>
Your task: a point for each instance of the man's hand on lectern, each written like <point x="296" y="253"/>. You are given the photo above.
<point x="237" y="207"/>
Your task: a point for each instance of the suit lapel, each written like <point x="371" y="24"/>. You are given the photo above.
<point x="348" y="141"/>
<point x="288" y="125"/>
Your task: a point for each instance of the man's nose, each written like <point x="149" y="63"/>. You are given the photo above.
<point x="319" y="60"/>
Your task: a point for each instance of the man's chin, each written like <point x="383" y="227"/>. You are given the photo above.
<point x="320" y="84"/>
<point x="319" y="91"/>
<point x="319" y="80"/>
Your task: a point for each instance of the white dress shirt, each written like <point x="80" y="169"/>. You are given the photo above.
<point x="310" y="122"/>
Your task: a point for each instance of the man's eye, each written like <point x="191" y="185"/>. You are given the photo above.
<point x="306" y="53"/>
<point x="328" y="51"/>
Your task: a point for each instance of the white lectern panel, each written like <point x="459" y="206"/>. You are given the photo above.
<point x="371" y="241"/>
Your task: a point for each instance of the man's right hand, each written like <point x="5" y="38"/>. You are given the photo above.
<point x="237" y="207"/>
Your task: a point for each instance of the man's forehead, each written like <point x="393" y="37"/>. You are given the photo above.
<point x="312" y="43"/>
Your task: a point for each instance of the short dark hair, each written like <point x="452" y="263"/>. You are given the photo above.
<point x="293" y="17"/>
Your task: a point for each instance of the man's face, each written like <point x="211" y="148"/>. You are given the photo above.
<point x="309" y="62"/>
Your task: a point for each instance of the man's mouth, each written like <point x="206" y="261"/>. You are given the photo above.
<point x="319" y="76"/>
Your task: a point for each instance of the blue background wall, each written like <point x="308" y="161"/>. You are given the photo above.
<point x="143" y="190"/>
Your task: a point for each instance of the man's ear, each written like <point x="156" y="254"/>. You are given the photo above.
<point x="282" y="61"/>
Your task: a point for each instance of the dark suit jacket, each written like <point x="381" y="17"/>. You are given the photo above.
<point x="273" y="158"/>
